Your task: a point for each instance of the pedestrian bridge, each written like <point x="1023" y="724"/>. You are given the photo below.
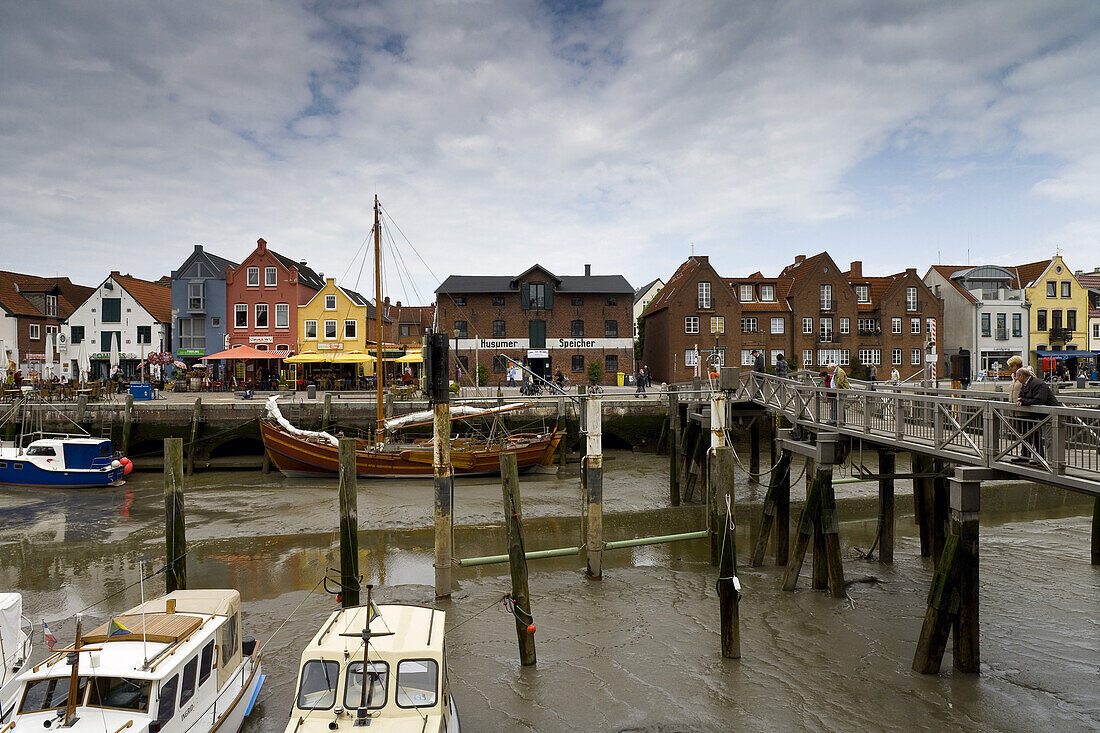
<point x="1059" y="446"/>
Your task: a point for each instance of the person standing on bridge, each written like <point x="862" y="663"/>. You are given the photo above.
<point x="1034" y="391"/>
<point x="757" y="361"/>
<point x="781" y="367"/>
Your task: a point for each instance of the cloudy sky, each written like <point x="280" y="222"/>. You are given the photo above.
<point x="497" y="134"/>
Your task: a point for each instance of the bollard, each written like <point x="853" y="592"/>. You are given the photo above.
<point x="349" y="525"/>
<point x="593" y="485"/>
<point x="517" y="560"/>
<point x="886" y="467"/>
<point x="729" y="590"/>
<point x="444" y="497"/>
<point x="175" y="540"/>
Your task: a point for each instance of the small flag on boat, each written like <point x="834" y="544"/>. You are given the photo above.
<point x="51" y="640"/>
<point x="373" y="613"/>
<point x="116" y="629"/>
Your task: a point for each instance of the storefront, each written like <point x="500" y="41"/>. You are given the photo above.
<point x="1068" y="364"/>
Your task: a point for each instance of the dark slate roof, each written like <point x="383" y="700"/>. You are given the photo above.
<point x="359" y="299"/>
<point x="568" y="284"/>
<point x="306" y="275"/>
<point x="645" y="289"/>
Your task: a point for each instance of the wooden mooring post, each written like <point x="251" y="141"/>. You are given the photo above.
<point x="754" y="449"/>
<point x="819" y="522"/>
<point x="443" y="471"/>
<point x="953" y="596"/>
<point x="940" y="512"/>
<point x="175" y="539"/>
<point x="196" y="418"/>
<point x="716" y="482"/>
<point x="777" y="514"/>
<point x="127" y="424"/>
<point x="922" y="499"/>
<point x="349" y="524"/>
<point x="1096" y="531"/>
<point x="729" y="587"/>
<point x="517" y="560"/>
<point x="593" y="485"/>
<point x="326" y="412"/>
<point x="675" y="436"/>
<point x="886" y="467"/>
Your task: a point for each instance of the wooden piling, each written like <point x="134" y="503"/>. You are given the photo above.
<point x="444" y="498"/>
<point x="886" y="467"/>
<point x="939" y="511"/>
<point x="196" y="417"/>
<point x="1096" y="531"/>
<point x="349" y="525"/>
<point x="326" y="412"/>
<point x="922" y="491"/>
<point x="778" y="497"/>
<point x="593" y="486"/>
<point x="81" y="408"/>
<point x="265" y="468"/>
<point x="806" y="523"/>
<point x="695" y="464"/>
<point x="127" y="424"/>
<point x="830" y="530"/>
<point x="754" y="450"/>
<point x="819" y="571"/>
<point x="674" y="449"/>
<point x="517" y="561"/>
<point x="175" y="539"/>
<point x="722" y="477"/>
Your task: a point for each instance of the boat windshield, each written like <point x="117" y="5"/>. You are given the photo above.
<point x="121" y="693"/>
<point x="416" y="683"/>
<point x="353" y="690"/>
<point x="41" y="450"/>
<point x="49" y="694"/>
<point x="317" y="690"/>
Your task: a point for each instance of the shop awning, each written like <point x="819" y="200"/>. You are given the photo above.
<point x="308" y="357"/>
<point x="243" y="352"/>
<point x="353" y="357"/>
<point x="413" y="357"/>
<point x="1071" y="354"/>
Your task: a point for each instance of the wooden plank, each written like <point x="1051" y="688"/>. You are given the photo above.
<point x="779" y="485"/>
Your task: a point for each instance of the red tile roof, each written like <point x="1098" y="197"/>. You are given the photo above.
<point x="672" y="285"/>
<point x="14" y="284"/>
<point x="1029" y="273"/>
<point x="154" y="298"/>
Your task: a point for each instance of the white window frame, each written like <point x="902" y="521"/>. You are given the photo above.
<point x="914" y="357"/>
<point x="252" y="277"/>
<point x="863" y="293"/>
<point x="895" y="325"/>
<point x="330" y="301"/>
<point x="354" y="328"/>
<point x="826" y="297"/>
<point x="310" y="333"/>
<point x="746" y="293"/>
<point x="262" y="308"/>
<point x="749" y="324"/>
<point x="282" y="315"/>
<point x="717" y="324"/>
<point x="704" y="299"/>
<point x="775" y="355"/>
<point x="778" y="324"/>
<point x="34" y="332"/>
<point x="691" y="325"/>
<point x="51" y="305"/>
<point x="895" y="357"/>
<point x="911" y="298"/>
<point x="914" y="325"/>
<point x="196" y="295"/>
<point x="767" y="293"/>
<point x="807" y="358"/>
<point x="807" y="325"/>
<point x="334" y="331"/>
<point x="845" y="358"/>
<point x="238" y="309"/>
<point x="689" y="358"/>
<point x="271" y="277"/>
<point x="825" y="329"/>
<point x="870" y="356"/>
<point x="747" y="358"/>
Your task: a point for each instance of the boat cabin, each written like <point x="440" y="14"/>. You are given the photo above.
<point x="171" y="664"/>
<point x="407" y="672"/>
<point x="84" y="454"/>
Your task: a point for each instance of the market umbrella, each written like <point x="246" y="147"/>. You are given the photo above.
<point x="413" y="357"/>
<point x="83" y="361"/>
<point x="47" y="363"/>
<point x="354" y="357"/>
<point x="179" y="364"/>
<point x="307" y="357"/>
<point x="3" y="362"/>
<point x="113" y="355"/>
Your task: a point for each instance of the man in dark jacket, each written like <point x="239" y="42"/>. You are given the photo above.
<point x="757" y="361"/>
<point x="1034" y="391"/>
<point x="781" y="368"/>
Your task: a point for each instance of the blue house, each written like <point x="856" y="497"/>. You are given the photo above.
<point x="198" y="306"/>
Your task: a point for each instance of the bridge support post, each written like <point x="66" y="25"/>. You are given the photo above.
<point x="722" y="483"/>
<point x="922" y="497"/>
<point x="675" y="435"/>
<point x="593" y="485"/>
<point x="1096" y="531"/>
<point x="953" y="597"/>
<point x="819" y="517"/>
<point x="777" y="514"/>
<point x="754" y="449"/>
<point x="886" y="466"/>
<point x="939" y="509"/>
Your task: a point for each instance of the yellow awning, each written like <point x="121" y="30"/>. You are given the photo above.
<point x="413" y="357"/>
<point x="354" y="357"/>
<point x="308" y="357"/>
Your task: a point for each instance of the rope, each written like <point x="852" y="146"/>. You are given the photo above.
<point x="728" y="530"/>
<point x="138" y="582"/>
<point x="513" y="608"/>
<point x="277" y="630"/>
<point x="471" y="618"/>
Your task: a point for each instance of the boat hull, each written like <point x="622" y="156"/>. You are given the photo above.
<point x="25" y="473"/>
<point x="295" y="456"/>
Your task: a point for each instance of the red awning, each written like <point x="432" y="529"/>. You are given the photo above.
<point x="280" y="353"/>
<point x="244" y="352"/>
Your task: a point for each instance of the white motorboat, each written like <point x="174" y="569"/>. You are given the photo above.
<point x="15" y="645"/>
<point x="406" y="666"/>
<point x="176" y="664"/>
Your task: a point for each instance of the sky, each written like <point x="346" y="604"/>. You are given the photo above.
<point x="625" y="135"/>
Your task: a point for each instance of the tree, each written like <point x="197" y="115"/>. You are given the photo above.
<point x="639" y="343"/>
<point x="482" y="375"/>
<point x="595" y="372"/>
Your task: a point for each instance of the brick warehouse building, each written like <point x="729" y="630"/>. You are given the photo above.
<point x="813" y="312"/>
<point x="546" y="321"/>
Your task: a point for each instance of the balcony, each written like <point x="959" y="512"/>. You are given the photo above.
<point x="1061" y="334"/>
<point x="827" y="338"/>
<point x="870" y="332"/>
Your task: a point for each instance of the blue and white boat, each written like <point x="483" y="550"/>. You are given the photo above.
<point x="62" y="461"/>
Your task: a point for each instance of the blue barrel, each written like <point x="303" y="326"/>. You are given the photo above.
<point x="141" y="391"/>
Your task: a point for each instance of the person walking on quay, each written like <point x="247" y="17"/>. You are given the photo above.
<point x="757" y="361"/>
<point x="782" y="369"/>
<point x="639" y="378"/>
<point x="645" y="371"/>
<point x="895" y="376"/>
<point x="1034" y="391"/>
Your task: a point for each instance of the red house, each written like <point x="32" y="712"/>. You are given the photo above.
<point x="262" y="296"/>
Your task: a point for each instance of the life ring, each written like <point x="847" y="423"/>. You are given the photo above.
<point x="127" y="466"/>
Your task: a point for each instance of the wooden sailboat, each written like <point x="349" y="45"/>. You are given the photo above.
<point x="298" y="452"/>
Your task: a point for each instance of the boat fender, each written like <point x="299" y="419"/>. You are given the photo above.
<point x="116" y="464"/>
<point x="531" y="629"/>
<point x="248" y="645"/>
<point x="127" y="466"/>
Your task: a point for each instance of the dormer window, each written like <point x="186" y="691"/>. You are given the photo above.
<point x="271" y="277"/>
<point x="746" y="293"/>
<point x="767" y="293"/>
<point x="253" y="277"/>
<point x="51" y="305"/>
<point x="863" y="294"/>
<point x="330" y="302"/>
<point x="704" y="295"/>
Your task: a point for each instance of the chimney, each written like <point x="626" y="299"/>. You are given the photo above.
<point x="261" y="244"/>
<point x="588" y="270"/>
<point x="799" y="259"/>
<point x="911" y="271"/>
<point x="855" y="272"/>
<point x="198" y="248"/>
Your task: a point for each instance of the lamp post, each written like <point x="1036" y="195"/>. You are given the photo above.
<point x="457" y="368"/>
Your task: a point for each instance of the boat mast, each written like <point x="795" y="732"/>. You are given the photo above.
<point x="379" y="379"/>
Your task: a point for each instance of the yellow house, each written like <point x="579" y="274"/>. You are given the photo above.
<point x="1059" y="308"/>
<point x="336" y="320"/>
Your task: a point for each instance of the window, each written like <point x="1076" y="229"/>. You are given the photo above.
<point x="500" y="364"/>
<point x="498" y="329"/>
<point x="895" y="357"/>
<point x="1071" y="320"/>
<point x="51" y="305"/>
<point x="240" y="316"/>
<point x="611" y="329"/>
<point x="895" y="325"/>
<point x="317" y="690"/>
<point x="577" y="301"/>
<point x="195" y="300"/>
<point x="166" y="701"/>
<point x="867" y="326"/>
<point x="1052" y="289"/>
<point x="767" y="293"/>
<point x="911" y="298"/>
<point x="843" y="358"/>
<point x="1096" y="330"/>
<point x="775" y="355"/>
<point x="498" y="301"/>
<point x="215" y="321"/>
<point x="704" y="295"/>
<point x="1002" y="331"/>
<point x="406" y="329"/>
<point x="145" y="334"/>
<point x="826" y="297"/>
<point x="985" y="324"/>
<point x="190" y="674"/>
<point x="207" y="662"/>
<point x="311" y="330"/>
<point x="49" y="694"/>
<point x="351" y="329"/>
<point x="330" y="330"/>
<point x="282" y="315"/>
<point x="691" y="324"/>
<point x="576" y="328"/>
<point x="1041" y="319"/>
<point x="717" y="324"/>
<point x="253" y="277"/>
<point x="747" y="359"/>
<point x="464" y="364"/>
<point x="914" y="357"/>
<point x="777" y="325"/>
<point x="460" y="329"/>
<point x="828" y="356"/>
<point x="261" y="315"/>
<point x="76" y="334"/>
<point x="689" y="358"/>
<point x="807" y="325"/>
<point x="863" y="294"/>
<point x="536" y="333"/>
<point x="611" y="363"/>
<point x="377" y="673"/>
<point x="807" y="358"/>
<point x="578" y="363"/>
<point x="1065" y="289"/>
<point x="112" y="310"/>
<point x="34" y="331"/>
<point x="230" y="639"/>
<point x="120" y="693"/>
<point x="870" y="356"/>
<point x="1016" y="324"/>
<point x="826" y="330"/>
<point x="748" y="325"/>
<point x="845" y="325"/>
<point x="417" y="681"/>
<point x="271" y="277"/>
<point x="535" y="296"/>
<point x="612" y="301"/>
<point x="1055" y="319"/>
<point x="106" y="337"/>
<point x="459" y="300"/>
<point x="261" y="347"/>
<point x="330" y="302"/>
<point x="746" y="293"/>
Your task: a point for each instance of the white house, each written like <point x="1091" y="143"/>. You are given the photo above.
<point x="642" y="296"/>
<point x="135" y="313"/>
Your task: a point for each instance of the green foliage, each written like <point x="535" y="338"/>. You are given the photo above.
<point x="453" y="388"/>
<point x="595" y="372"/>
<point x="482" y="375"/>
<point x="639" y="343"/>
